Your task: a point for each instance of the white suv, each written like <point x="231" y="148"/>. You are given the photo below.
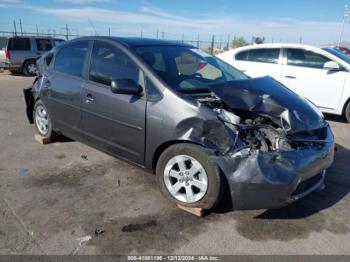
<point x="320" y="75"/>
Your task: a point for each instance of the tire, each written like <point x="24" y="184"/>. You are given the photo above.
<point x="42" y="118"/>
<point x="207" y="195"/>
<point x="347" y="112"/>
<point x="30" y="68"/>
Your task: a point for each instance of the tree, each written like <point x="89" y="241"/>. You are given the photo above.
<point x="239" y="42"/>
<point x="258" y="40"/>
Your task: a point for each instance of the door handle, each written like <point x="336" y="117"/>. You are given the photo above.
<point x="290" y="77"/>
<point x="89" y="99"/>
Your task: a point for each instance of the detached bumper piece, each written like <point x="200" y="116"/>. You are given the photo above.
<point x="266" y="180"/>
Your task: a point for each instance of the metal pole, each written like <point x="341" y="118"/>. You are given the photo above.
<point x="345" y="17"/>
<point x="163" y="35"/>
<point x="37" y="30"/>
<point x="212" y="45"/>
<point x="67" y="32"/>
<point x="20" y="26"/>
<point x="141" y="33"/>
<point x="183" y="38"/>
<point x="198" y="41"/>
<point x="157" y="34"/>
<point x="109" y="31"/>
<point x="14" y="25"/>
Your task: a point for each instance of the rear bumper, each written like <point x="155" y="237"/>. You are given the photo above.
<point x="267" y="180"/>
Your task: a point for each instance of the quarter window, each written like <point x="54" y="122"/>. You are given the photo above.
<point x="19" y="44"/>
<point x="43" y="44"/>
<point x="299" y="57"/>
<point x="70" y="59"/>
<point x="108" y="64"/>
<point x="266" y="55"/>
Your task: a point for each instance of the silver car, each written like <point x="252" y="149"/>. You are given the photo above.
<point x="22" y="52"/>
<point x="196" y="122"/>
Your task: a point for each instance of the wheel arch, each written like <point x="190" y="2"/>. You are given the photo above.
<point x="161" y="148"/>
<point x="345" y="106"/>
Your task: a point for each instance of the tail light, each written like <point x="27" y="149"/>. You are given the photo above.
<point x="7" y="54"/>
<point x="201" y="65"/>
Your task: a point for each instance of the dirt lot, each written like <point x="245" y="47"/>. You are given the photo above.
<point x="52" y="199"/>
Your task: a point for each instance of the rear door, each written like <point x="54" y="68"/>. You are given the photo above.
<point x="115" y="122"/>
<point x="63" y="88"/>
<point x="303" y="72"/>
<point x="260" y="62"/>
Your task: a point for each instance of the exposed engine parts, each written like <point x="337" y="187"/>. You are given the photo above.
<point x="257" y="132"/>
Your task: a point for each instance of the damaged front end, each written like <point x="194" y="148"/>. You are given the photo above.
<point x="279" y="146"/>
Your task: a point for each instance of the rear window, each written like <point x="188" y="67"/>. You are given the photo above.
<point x="70" y="59"/>
<point x="43" y="44"/>
<point x="19" y="44"/>
<point x="57" y="42"/>
<point x="266" y="55"/>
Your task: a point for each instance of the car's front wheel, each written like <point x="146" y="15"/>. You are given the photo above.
<point x="42" y="121"/>
<point x="187" y="176"/>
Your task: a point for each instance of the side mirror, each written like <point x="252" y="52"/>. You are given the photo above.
<point x="331" y="66"/>
<point x="125" y="87"/>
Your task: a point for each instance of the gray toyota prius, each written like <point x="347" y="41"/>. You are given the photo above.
<point x="199" y="124"/>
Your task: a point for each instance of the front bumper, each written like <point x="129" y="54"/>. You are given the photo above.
<point x="265" y="180"/>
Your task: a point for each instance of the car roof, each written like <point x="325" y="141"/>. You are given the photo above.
<point x="136" y="41"/>
<point x="275" y="45"/>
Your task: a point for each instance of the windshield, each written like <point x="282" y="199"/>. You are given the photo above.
<point x="188" y="69"/>
<point x="338" y="54"/>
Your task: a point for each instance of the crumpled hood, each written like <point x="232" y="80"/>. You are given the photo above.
<point x="266" y="96"/>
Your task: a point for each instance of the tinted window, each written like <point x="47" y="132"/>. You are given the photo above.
<point x="299" y="57"/>
<point x="108" y="63"/>
<point x="187" y="69"/>
<point x="19" y="44"/>
<point x="70" y="59"/>
<point x="48" y="58"/>
<point x="43" y="44"/>
<point x="267" y="55"/>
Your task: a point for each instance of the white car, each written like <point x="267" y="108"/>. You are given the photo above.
<point x="320" y="75"/>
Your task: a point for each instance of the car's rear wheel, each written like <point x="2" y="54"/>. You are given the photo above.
<point x="42" y="121"/>
<point x="30" y="68"/>
<point x="187" y="176"/>
<point x="347" y="112"/>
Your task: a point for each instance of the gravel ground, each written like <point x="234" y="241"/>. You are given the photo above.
<point x="52" y="200"/>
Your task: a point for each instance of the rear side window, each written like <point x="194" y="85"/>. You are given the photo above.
<point x="266" y="55"/>
<point x="19" y="44"/>
<point x="70" y="59"/>
<point x="108" y="64"/>
<point x="43" y="44"/>
<point x="299" y="57"/>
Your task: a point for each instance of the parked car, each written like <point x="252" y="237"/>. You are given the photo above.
<point x="22" y="52"/>
<point x="311" y="72"/>
<point x="342" y="49"/>
<point x="196" y="122"/>
<point x="3" y="44"/>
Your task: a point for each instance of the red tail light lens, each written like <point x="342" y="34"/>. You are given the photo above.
<point x="201" y="65"/>
<point x="7" y="54"/>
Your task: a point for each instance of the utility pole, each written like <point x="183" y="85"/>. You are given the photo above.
<point x="37" y="30"/>
<point x="163" y="35"/>
<point x="14" y="26"/>
<point x="345" y="17"/>
<point x="141" y="33"/>
<point x="20" y="26"/>
<point x="157" y="34"/>
<point x="212" y="45"/>
<point x="183" y="38"/>
<point x="67" y="32"/>
<point x="198" y="41"/>
<point x="109" y="31"/>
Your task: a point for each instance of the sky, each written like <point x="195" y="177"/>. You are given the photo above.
<point x="316" y="22"/>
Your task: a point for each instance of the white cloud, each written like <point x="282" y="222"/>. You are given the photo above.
<point x="83" y="1"/>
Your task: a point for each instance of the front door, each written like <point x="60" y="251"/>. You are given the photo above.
<point x="115" y="122"/>
<point x="305" y="75"/>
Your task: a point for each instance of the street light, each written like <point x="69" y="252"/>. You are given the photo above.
<point x="345" y="17"/>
